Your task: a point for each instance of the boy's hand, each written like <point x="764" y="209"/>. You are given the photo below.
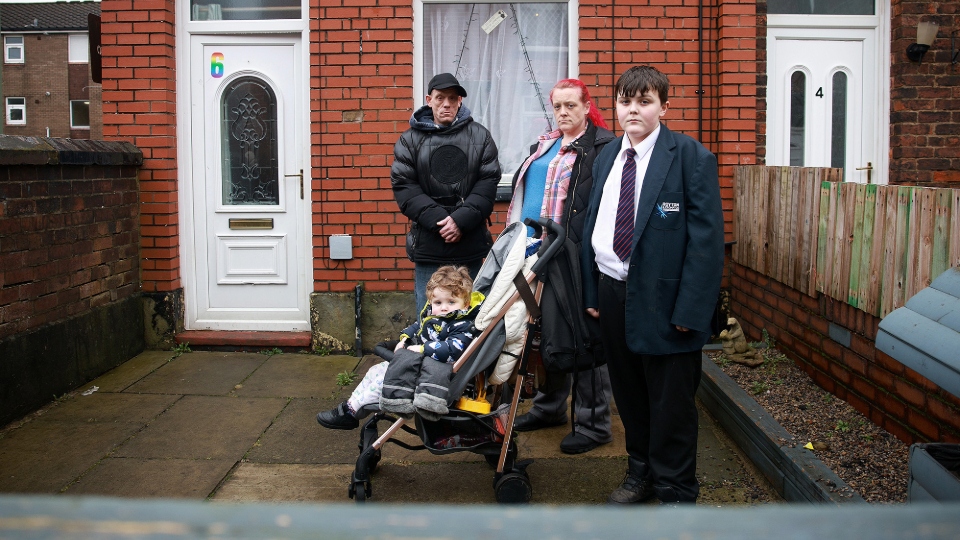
<point x="416" y="348"/>
<point x="400" y="345"/>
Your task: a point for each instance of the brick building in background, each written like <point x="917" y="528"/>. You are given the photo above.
<point x="47" y="88"/>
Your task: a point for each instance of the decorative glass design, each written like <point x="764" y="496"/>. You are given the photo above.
<point x="838" y="136"/>
<point x="244" y="10"/>
<point x="248" y="138"/>
<point x="798" y="117"/>
<point x="821" y="7"/>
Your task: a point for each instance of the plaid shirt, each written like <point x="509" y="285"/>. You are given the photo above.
<point x="558" y="178"/>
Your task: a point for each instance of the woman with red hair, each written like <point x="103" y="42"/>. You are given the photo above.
<point x="554" y="182"/>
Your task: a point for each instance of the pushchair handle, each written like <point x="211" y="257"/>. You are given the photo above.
<point x="555" y="238"/>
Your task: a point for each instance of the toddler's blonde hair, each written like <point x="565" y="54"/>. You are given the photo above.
<point x="455" y="279"/>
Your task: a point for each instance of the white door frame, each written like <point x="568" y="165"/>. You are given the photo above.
<point x="187" y="89"/>
<point x="832" y="27"/>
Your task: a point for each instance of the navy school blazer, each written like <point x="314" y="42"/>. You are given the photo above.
<point x="677" y="260"/>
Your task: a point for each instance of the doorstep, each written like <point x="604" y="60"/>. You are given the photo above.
<point x="237" y="340"/>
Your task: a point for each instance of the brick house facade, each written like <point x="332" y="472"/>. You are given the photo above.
<point x="361" y="81"/>
<point x="46" y="78"/>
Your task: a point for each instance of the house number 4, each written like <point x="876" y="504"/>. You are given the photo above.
<point x="819" y="93"/>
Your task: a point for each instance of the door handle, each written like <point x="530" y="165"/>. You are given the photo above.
<point x="301" y="180"/>
<point x="868" y="168"/>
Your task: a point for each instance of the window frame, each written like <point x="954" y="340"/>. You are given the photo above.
<point x="7" y="46"/>
<point x="12" y="107"/>
<point x="73" y="124"/>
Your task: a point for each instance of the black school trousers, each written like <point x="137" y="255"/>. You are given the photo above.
<point x="656" y="399"/>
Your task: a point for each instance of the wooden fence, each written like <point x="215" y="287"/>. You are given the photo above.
<point x="870" y="246"/>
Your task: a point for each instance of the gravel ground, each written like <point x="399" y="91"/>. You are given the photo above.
<point x="869" y="459"/>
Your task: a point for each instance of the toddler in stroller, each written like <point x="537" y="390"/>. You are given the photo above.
<point x="443" y="330"/>
<point x="469" y="405"/>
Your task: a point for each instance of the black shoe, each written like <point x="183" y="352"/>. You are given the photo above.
<point x="532" y="422"/>
<point x="338" y="417"/>
<point x="632" y="490"/>
<point x="577" y="443"/>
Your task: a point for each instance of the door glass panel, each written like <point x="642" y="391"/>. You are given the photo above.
<point x="821" y="7"/>
<point x="248" y="140"/>
<point x="798" y="117"/>
<point x="838" y="137"/>
<point x="243" y="10"/>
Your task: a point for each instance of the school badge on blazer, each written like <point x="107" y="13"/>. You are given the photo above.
<point x="668" y="212"/>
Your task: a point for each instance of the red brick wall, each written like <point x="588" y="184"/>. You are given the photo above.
<point x="893" y="396"/>
<point x="925" y="104"/>
<point x="364" y="101"/>
<point x="139" y="95"/>
<point x="761" y="82"/>
<point x="70" y="242"/>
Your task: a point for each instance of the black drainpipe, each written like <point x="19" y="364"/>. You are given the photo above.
<point x="613" y="63"/>
<point x="356" y="306"/>
<point x="700" y="72"/>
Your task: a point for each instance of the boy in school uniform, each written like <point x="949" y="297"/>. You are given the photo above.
<point x="652" y="264"/>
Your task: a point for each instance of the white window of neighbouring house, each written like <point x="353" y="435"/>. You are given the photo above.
<point x="244" y="10"/>
<point x="507" y="56"/>
<point x="13" y="49"/>
<point x="79" y="49"/>
<point x="16" y="111"/>
<point x="821" y="7"/>
<point x="79" y="114"/>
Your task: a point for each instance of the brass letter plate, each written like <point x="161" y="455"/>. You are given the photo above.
<point x="245" y="223"/>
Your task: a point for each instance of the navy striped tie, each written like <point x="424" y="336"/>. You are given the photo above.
<point x="623" y="230"/>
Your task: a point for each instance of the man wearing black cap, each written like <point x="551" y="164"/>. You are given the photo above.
<point x="444" y="176"/>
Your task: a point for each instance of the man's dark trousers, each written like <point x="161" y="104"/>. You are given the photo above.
<point x="661" y="440"/>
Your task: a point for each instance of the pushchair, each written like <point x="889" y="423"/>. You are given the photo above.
<point x="486" y="383"/>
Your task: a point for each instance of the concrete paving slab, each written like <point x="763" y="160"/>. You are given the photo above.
<point x="123" y="376"/>
<point x="281" y="482"/>
<point x="106" y="408"/>
<point x="300" y="376"/>
<point x="46" y="456"/>
<point x="200" y="373"/>
<point x="296" y="437"/>
<point x="168" y="478"/>
<point x="205" y="427"/>
<point x="40" y="473"/>
<point x="545" y="443"/>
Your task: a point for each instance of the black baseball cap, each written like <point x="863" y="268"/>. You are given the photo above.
<point x="443" y="81"/>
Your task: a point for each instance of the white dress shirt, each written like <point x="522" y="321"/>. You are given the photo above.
<point x="609" y="262"/>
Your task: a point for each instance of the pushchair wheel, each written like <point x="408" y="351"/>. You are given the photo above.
<point x="360" y="491"/>
<point x="513" y="488"/>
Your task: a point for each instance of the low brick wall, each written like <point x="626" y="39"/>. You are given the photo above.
<point x="834" y="343"/>
<point x="70" y="304"/>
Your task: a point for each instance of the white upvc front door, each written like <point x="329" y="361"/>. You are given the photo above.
<point x="246" y="199"/>
<point x="828" y="94"/>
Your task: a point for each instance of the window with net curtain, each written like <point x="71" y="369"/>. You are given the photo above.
<point x="508" y="72"/>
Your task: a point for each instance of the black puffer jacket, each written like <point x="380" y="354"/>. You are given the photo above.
<point x="581" y="178"/>
<point x="441" y="171"/>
